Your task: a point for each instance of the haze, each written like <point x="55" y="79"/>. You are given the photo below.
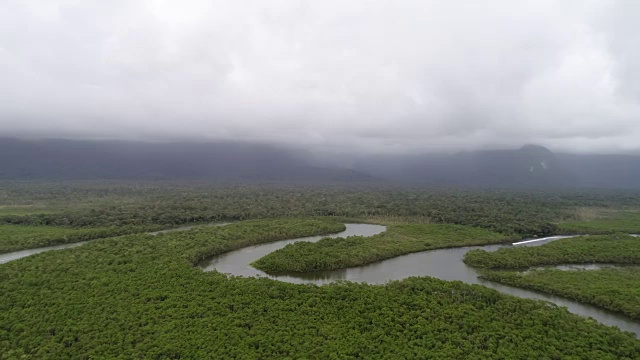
<point x="357" y="76"/>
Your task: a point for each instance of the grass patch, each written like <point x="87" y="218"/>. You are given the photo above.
<point x="24" y="210"/>
<point x="606" y="223"/>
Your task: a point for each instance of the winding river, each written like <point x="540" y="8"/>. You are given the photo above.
<point x="445" y="264"/>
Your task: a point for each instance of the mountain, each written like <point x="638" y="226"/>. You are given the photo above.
<point x="223" y="161"/>
<point x="604" y="171"/>
<point x="531" y="166"/>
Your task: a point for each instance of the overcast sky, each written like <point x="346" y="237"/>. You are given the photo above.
<point x="369" y="76"/>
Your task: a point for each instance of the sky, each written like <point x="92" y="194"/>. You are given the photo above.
<point x="346" y="76"/>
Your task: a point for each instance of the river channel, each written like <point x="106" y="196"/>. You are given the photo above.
<point x="4" y="258"/>
<point x="445" y="264"/>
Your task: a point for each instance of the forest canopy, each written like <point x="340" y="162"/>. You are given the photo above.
<point x="141" y="296"/>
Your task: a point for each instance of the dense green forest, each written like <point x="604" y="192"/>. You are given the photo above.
<point x="140" y="296"/>
<point x="115" y="204"/>
<point x="338" y="253"/>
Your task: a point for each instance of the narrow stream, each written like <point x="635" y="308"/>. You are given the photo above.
<point x="445" y="264"/>
<point x="4" y="258"/>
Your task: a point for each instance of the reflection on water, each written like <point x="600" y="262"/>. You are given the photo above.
<point x="445" y="264"/>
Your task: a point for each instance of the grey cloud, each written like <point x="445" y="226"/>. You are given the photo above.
<point x="364" y="76"/>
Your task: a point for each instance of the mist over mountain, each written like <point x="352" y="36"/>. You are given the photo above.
<point x="225" y="161"/>
<point x="530" y="166"/>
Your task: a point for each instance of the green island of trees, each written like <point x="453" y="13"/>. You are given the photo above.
<point x="140" y="296"/>
<point x="616" y="289"/>
<point x="338" y="253"/>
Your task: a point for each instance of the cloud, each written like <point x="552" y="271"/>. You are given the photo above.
<point x="365" y="76"/>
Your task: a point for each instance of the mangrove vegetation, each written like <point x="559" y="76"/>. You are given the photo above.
<point x="140" y="296"/>
<point x="616" y="289"/>
<point x="129" y="294"/>
<point x="616" y="249"/>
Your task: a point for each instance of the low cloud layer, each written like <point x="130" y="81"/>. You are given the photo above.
<point x="364" y="76"/>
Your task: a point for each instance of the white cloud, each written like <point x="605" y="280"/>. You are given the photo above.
<point x="388" y="76"/>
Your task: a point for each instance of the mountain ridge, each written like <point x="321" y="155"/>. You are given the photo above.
<point x="531" y="166"/>
<point x="223" y="161"/>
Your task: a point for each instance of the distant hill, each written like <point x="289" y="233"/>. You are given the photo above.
<point x="224" y="161"/>
<point x="528" y="167"/>
<point x="608" y="171"/>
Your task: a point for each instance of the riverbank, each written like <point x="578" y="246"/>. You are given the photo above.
<point x="616" y="289"/>
<point x="614" y="249"/>
<point x="26" y="237"/>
